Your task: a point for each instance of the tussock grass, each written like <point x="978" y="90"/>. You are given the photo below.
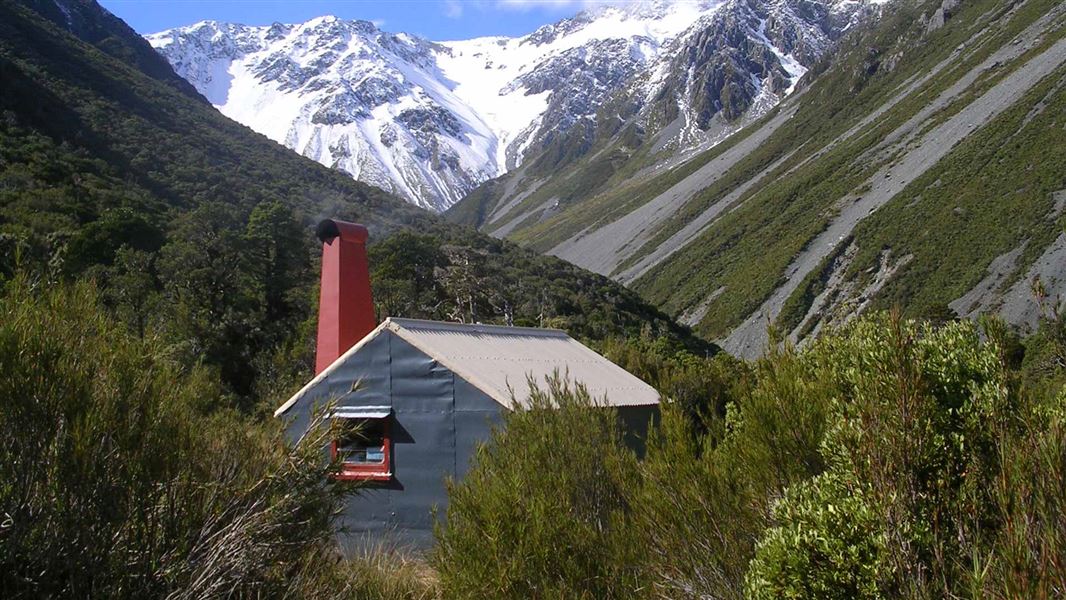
<point x="383" y="573"/>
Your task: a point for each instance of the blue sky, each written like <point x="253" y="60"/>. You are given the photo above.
<point x="433" y="19"/>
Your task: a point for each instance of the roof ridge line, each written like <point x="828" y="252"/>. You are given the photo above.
<point x="479" y="327"/>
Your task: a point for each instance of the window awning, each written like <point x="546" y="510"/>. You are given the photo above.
<point x="361" y="412"/>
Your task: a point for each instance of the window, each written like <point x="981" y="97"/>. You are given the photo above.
<point x="362" y="446"/>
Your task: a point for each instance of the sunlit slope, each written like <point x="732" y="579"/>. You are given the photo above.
<point x="921" y="166"/>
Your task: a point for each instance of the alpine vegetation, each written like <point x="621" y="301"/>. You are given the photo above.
<point x="123" y="477"/>
<point x="919" y="163"/>
<point x="731" y="299"/>
<point x="889" y="459"/>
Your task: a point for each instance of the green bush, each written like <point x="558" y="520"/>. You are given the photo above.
<point x="1025" y="557"/>
<point x="889" y="458"/>
<point x="543" y="511"/>
<point x="885" y="459"/>
<point x="930" y="440"/>
<point x="115" y="479"/>
<point x="705" y="498"/>
<point x="830" y="545"/>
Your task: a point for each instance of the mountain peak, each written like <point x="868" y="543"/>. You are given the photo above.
<point x="432" y="120"/>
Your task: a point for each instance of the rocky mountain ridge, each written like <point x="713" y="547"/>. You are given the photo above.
<point x="921" y="167"/>
<point x="431" y="121"/>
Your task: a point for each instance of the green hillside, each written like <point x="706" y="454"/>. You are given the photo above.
<point x="909" y="162"/>
<point x="112" y="167"/>
<point x="952" y="219"/>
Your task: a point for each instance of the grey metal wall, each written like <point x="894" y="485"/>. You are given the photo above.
<point x="475" y="415"/>
<point x="636" y="422"/>
<point x="369" y="367"/>
<point x="438" y="420"/>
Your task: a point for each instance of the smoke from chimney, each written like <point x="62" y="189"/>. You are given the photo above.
<point x="345" y="305"/>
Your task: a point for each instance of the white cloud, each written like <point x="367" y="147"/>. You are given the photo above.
<point x="379" y="23"/>
<point x="453" y="9"/>
<point x="560" y="4"/>
<point x="528" y="4"/>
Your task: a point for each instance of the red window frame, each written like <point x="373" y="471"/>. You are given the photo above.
<point x="367" y="472"/>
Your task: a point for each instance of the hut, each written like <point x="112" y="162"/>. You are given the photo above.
<point x="414" y="398"/>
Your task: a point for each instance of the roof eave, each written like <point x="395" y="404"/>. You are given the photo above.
<point x="281" y="410"/>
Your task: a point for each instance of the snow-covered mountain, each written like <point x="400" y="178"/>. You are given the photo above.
<point x="432" y="120"/>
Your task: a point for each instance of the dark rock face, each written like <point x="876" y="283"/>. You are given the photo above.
<point x="719" y="70"/>
<point x="344" y="107"/>
<point x="941" y="15"/>
<point x="741" y="50"/>
<point x="432" y="120"/>
<point x="283" y="70"/>
<point x="553" y="31"/>
<point x="375" y="91"/>
<point x="277" y="31"/>
<point x="580" y="80"/>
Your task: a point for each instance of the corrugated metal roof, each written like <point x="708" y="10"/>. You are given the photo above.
<point x="492" y="358"/>
<point x="498" y="360"/>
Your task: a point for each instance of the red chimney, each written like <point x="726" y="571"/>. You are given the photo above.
<point x="345" y="306"/>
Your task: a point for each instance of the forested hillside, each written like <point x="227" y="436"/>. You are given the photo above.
<point x="113" y="168"/>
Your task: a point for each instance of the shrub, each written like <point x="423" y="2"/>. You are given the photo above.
<point x="382" y="573"/>
<point x="888" y="458"/>
<point x="829" y="546"/>
<point x="1025" y="556"/>
<point x="705" y="499"/>
<point x="701" y="386"/>
<point x="116" y="482"/>
<point x="920" y="496"/>
<point x="543" y="511"/>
